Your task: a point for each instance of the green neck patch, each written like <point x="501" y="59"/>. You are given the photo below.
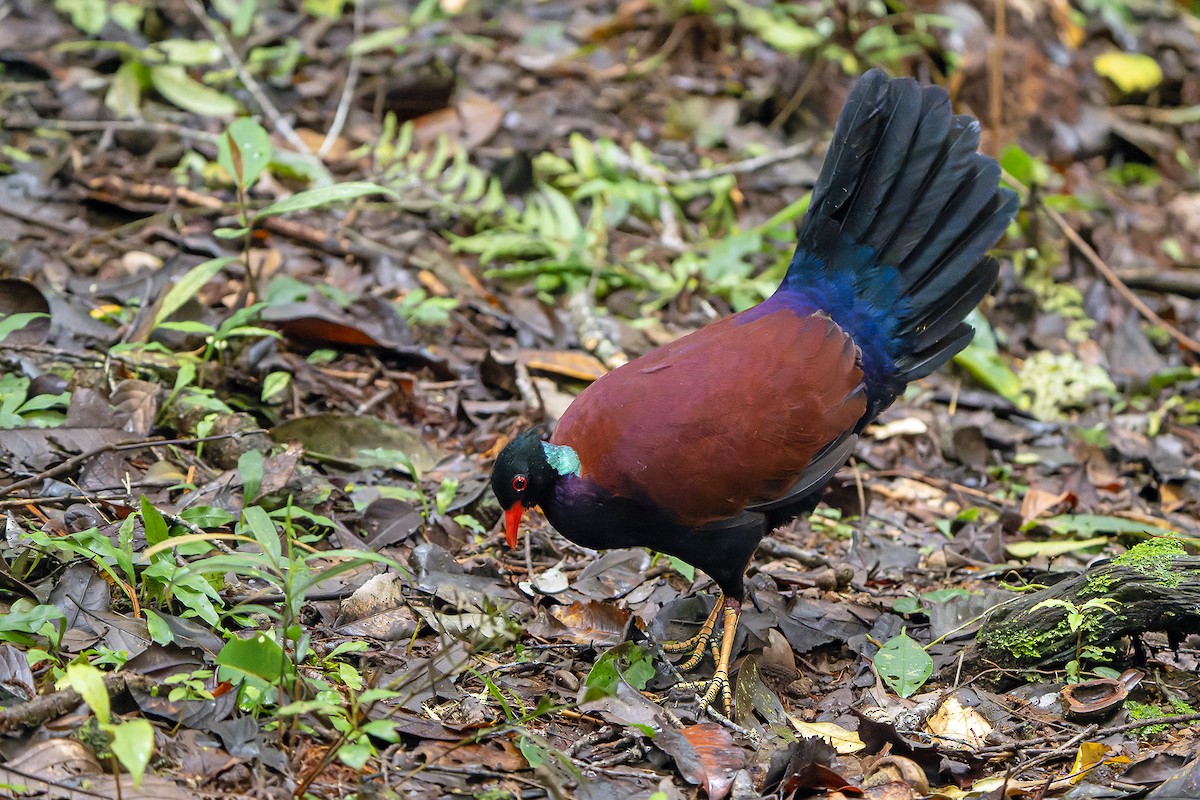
<point x="563" y="459"/>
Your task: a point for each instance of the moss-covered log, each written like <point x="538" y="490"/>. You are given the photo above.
<point x="1155" y="587"/>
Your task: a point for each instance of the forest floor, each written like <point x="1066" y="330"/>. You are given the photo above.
<point x="253" y="376"/>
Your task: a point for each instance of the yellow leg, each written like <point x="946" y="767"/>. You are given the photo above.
<point x="698" y="643"/>
<point x="719" y="683"/>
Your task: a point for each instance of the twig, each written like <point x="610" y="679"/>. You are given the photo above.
<point x="113" y="188"/>
<point x="111" y="126"/>
<point x="39" y="219"/>
<point x="793" y="103"/>
<point x="343" y="109"/>
<point x="41" y="710"/>
<point x="74" y="461"/>
<point x="1185" y="115"/>
<point x="1065" y="747"/>
<point x="996" y="74"/>
<point x="653" y="174"/>
<point x="1106" y="272"/>
<point x="1184" y="341"/>
<point x="993" y="751"/>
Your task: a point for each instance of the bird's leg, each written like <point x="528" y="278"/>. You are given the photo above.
<point x="698" y="643"/>
<point x="719" y="683"/>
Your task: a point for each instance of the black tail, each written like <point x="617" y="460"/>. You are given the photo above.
<point x="894" y="240"/>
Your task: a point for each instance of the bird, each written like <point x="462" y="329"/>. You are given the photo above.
<point x="705" y="445"/>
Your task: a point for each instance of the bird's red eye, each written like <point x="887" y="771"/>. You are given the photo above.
<point x="519" y="483"/>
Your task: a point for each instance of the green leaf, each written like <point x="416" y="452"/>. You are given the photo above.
<point x="944" y="595"/>
<point x="1096" y="523"/>
<point x="159" y="630"/>
<point x="173" y="83"/>
<point x="187" y="326"/>
<point x="903" y="664"/>
<point x="355" y="754"/>
<point x="275" y="384"/>
<point x="324" y="196"/>
<point x="1130" y="72"/>
<point x="992" y="372"/>
<point x="207" y="516"/>
<point x="153" y="522"/>
<point x="626" y="660"/>
<point x="89" y="683"/>
<point x="89" y="16"/>
<point x="190" y="52"/>
<point x="263" y="530"/>
<point x="25" y="619"/>
<point x="42" y="402"/>
<point x="250" y="467"/>
<point x="1024" y="167"/>
<point x="534" y="753"/>
<point x="124" y="96"/>
<point x="682" y="567"/>
<point x="260" y="657"/>
<point x="1053" y="547"/>
<point x="133" y="744"/>
<point x="445" y="494"/>
<point x="244" y="151"/>
<point x="907" y="605"/>
<point x="188" y="286"/>
<point x="14" y="322"/>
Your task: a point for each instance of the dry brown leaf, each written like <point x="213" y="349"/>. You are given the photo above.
<point x="568" y="363"/>
<point x="961" y="727"/>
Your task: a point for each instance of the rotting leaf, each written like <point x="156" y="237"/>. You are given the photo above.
<point x="364" y="442"/>
<point x="960" y="727"/>
<point x="705" y="754"/>
<point x="592" y="622"/>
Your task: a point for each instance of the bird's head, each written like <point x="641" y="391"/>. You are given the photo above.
<point x="525" y="474"/>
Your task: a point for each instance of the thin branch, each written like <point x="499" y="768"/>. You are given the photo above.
<point x="74" y="461"/>
<point x="1106" y="272"/>
<point x="343" y="109"/>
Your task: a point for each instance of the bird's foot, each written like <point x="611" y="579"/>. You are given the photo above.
<point x="718" y="684"/>
<point x="703" y="640"/>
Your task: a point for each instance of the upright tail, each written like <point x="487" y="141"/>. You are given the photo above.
<point x="894" y="240"/>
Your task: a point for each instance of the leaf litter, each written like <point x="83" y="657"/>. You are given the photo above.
<point x="328" y="610"/>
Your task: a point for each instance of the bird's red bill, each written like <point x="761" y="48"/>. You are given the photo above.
<point x="512" y="523"/>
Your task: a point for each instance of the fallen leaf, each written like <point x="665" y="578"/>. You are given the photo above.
<point x="360" y="441"/>
<point x="568" y="363"/>
<point x="960" y="727"/>
<point x="842" y="740"/>
<point x="592" y="622"/>
<point x="705" y="754"/>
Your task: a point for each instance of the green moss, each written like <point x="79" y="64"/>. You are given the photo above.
<point x="1097" y="585"/>
<point x="1154" y="558"/>
<point x="1139" y="711"/>
<point x="1021" y="642"/>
